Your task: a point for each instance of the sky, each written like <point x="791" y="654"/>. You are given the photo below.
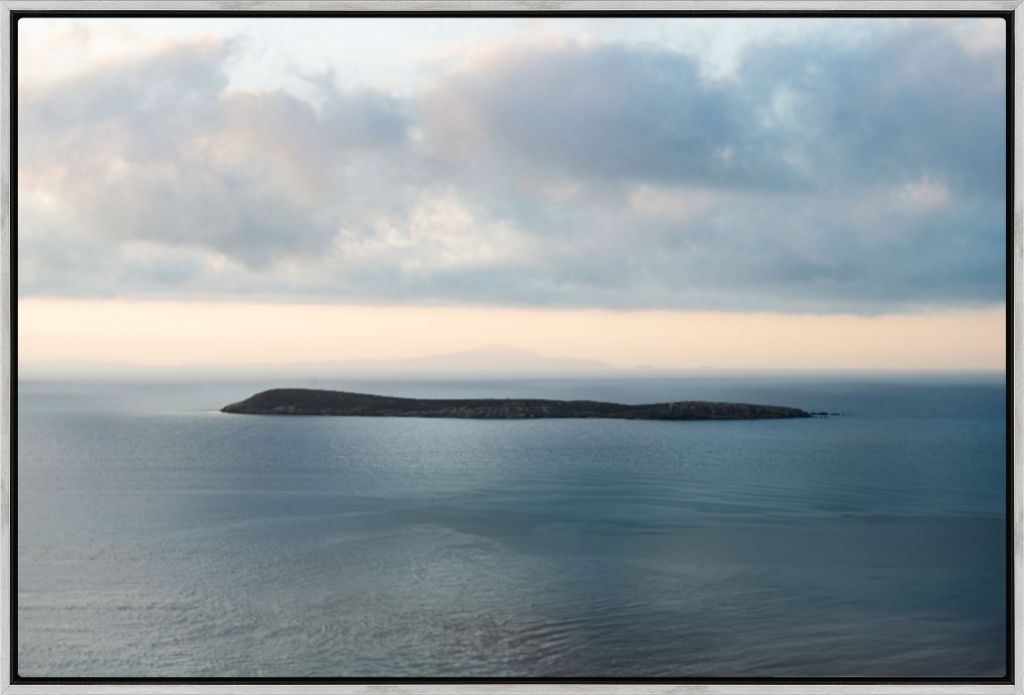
<point x="754" y="193"/>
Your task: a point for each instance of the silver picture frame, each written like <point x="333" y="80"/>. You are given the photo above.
<point x="10" y="9"/>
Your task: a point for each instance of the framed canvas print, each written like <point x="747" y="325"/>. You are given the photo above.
<point x="513" y="347"/>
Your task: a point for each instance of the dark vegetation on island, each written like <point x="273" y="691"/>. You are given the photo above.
<point x="319" y="402"/>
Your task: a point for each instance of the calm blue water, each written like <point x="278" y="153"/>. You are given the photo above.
<point x="158" y="537"/>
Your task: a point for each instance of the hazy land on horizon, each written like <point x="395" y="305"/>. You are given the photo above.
<point x="483" y="361"/>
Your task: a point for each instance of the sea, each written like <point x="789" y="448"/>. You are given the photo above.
<point x="159" y="537"/>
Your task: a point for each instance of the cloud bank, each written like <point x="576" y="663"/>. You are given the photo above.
<point x="821" y="176"/>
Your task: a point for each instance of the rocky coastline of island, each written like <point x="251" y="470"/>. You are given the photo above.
<point x="295" y="401"/>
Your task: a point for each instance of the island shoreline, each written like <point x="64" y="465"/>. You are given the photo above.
<point x="342" y="403"/>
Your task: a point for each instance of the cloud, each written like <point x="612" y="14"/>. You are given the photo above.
<point x="912" y="101"/>
<point x="669" y="204"/>
<point x="924" y="194"/>
<point x="817" y="176"/>
<point x="158" y="150"/>
<point x="586" y="111"/>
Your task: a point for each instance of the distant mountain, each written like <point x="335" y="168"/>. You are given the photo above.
<point x="490" y="358"/>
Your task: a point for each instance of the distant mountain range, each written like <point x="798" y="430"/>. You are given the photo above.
<point x="489" y="359"/>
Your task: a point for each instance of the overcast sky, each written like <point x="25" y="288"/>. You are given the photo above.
<point x="791" y="166"/>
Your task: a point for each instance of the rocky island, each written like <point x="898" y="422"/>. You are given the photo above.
<point x="319" y="402"/>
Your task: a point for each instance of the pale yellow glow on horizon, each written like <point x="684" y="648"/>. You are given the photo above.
<point x="174" y="333"/>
